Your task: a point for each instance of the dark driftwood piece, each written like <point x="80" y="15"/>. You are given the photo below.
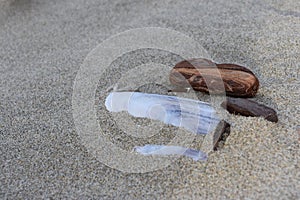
<point x="246" y="107"/>
<point x="205" y="76"/>
<point x="221" y="133"/>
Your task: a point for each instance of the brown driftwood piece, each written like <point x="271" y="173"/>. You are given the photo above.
<point x="246" y="107"/>
<point x="221" y="133"/>
<point x="205" y="76"/>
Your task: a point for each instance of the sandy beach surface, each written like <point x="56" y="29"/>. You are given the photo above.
<point x="43" y="46"/>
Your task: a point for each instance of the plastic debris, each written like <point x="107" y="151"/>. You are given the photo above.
<point x="150" y="149"/>
<point x="195" y="116"/>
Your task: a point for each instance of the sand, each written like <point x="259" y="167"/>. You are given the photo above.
<point x="44" y="43"/>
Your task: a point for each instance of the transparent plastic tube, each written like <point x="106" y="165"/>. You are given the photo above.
<point x="195" y="116"/>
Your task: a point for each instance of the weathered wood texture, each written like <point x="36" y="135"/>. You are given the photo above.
<point x="206" y="76"/>
<point x="246" y="107"/>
